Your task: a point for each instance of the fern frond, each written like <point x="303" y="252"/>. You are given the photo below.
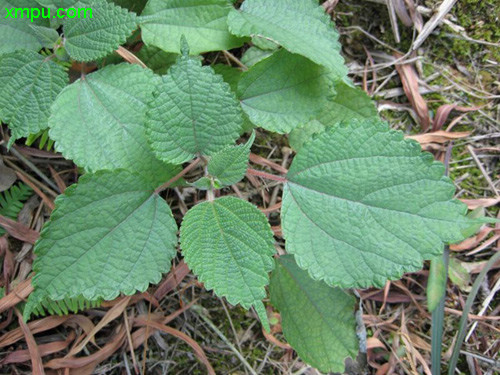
<point x="12" y="201"/>
<point x="65" y="306"/>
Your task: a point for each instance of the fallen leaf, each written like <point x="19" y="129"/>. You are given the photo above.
<point x="7" y="177"/>
<point x="409" y="79"/>
<point x="439" y="136"/>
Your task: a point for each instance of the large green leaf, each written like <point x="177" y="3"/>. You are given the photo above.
<point x="318" y="320"/>
<point x="202" y="22"/>
<point x="109" y="234"/>
<point x="23" y="32"/>
<point x="193" y="112"/>
<point x="284" y="91"/>
<point x="349" y="103"/>
<point x="90" y="38"/>
<point x="363" y="205"/>
<point x="301" y="26"/>
<point x="98" y="121"/>
<point x="29" y="84"/>
<point x="228" y="244"/>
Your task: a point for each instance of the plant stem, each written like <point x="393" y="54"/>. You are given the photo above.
<point x="255" y="172"/>
<point x="186" y="170"/>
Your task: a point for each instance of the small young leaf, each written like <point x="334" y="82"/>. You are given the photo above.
<point x="90" y="38"/>
<point x="253" y="55"/>
<point x="156" y="59"/>
<point x="228" y="244"/>
<point x="230" y="164"/>
<point x="121" y="238"/>
<point x="350" y="103"/>
<point x="284" y="91"/>
<point x="20" y="32"/>
<point x="318" y="321"/>
<point x="194" y="111"/>
<point x="264" y="43"/>
<point x="203" y="22"/>
<point x="301" y="26"/>
<point x="204" y="183"/>
<point x="98" y="121"/>
<point x="29" y="83"/>
<point x="363" y="205"/>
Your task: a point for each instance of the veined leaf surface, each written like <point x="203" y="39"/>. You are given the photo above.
<point x="363" y="205"/>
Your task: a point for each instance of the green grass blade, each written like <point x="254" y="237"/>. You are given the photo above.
<point x="463" y="320"/>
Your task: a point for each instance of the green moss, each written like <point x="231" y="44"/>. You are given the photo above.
<point x="479" y="18"/>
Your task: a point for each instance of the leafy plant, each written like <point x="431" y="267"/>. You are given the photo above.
<point x="361" y="205"/>
<point x="12" y="201"/>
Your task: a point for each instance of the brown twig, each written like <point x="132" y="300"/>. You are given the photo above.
<point x="182" y="173"/>
<point x="255" y="172"/>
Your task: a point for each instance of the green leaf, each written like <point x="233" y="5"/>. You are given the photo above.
<point x="202" y="22"/>
<point x="98" y="121"/>
<point x="121" y="238"/>
<point x="253" y="55"/>
<point x="283" y="91"/>
<point x="23" y="33"/>
<point x="301" y="26"/>
<point x="228" y="244"/>
<point x="436" y="284"/>
<point x="232" y="77"/>
<point x="363" y="205"/>
<point x="193" y="112"/>
<point x="29" y="83"/>
<point x="459" y="275"/>
<point x="318" y="321"/>
<point x="350" y="103"/>
<point x="204" y="183"/>
<point x="230" y="165"/>
<point x="91" y="38"/>
<point x="157" y="60"/>
<point x="265" y="43"/>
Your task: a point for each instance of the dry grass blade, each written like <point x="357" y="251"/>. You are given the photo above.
<point x="409" y="79"/>
<point x="19" y="294"/>
<point x="130" y="57"/>
<point x="173" y="279"/>
<point x="20" y="356"/>
<point x="111" y="315"/>
<point x="444" y="111"/>
<point x="188" y="340"/>
<point x="256" y="159"/>
<point x="438" y="137"/>
<point x="95" y="358"/>
<point x="37" y="326"/>
<point x="472" y="204"/>
<point x="36" y="359"/>
<point x="435" y="20"/>
<point x="18" y="230"/>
